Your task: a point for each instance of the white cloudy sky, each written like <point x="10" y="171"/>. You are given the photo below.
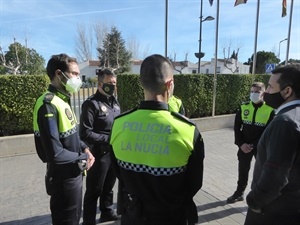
<point x="50" y="25"/>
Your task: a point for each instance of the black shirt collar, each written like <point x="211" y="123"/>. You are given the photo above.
<point x="104" y="98"/>
<point x="153" y="105"/>
<point x="258" y="104"/>
<point x="64" y="96"/>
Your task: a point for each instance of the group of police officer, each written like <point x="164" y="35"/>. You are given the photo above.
<point x="153" y="188"/>
<point x="69" y="153"/>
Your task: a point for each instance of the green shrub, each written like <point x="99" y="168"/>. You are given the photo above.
<point x="17" y="98"/>
<point x="19" y="93"/>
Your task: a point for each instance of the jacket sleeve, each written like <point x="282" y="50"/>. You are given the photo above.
<point x="195" y="166"/>
<point x="86" y="129"/>
<point x="238" y="126"/>
<point x="50" y="141"/>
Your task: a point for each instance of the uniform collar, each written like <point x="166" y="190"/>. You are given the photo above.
<point x="153" y="105"/>
<point x="257" y="105"/>
<point x="104" y="98"/>
<point x="64" y="96"/>
<point x="294" y="102"/>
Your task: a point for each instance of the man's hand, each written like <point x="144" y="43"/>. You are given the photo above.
<point x="90" y="159"/>
<point x="246" y="148"/>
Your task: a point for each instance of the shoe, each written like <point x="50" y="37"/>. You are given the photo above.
<point x="236" y="197"/>
<point x="109" y="217"/>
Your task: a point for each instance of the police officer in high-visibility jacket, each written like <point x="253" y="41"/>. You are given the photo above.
<point x="158" y="155"/>
<point x="250" y="122"/>
<point x="57" y="141"/>
<point x="176" y="105"/>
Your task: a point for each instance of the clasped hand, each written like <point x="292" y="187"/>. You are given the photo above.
<point x="90" y="159"/>
<point x="246" y="148"/>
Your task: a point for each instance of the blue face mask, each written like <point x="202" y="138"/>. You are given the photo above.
<point x="109" y="89"/>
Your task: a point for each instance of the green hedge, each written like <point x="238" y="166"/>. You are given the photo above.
<point x="19" y="93"/>
<point x="196" y="92"/>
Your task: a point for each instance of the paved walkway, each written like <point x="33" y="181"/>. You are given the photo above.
<point x="24" y="200"/>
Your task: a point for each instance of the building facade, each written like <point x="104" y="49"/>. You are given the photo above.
<point x="224" y="66"/>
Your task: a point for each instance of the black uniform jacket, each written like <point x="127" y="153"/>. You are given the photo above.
<point x="98" y="114"/>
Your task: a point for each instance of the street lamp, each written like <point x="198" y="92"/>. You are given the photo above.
<point x="279" y="47"/>
<point x="200" y="54"/>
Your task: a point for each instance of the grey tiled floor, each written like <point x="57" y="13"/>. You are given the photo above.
<point x="24" y="201"/>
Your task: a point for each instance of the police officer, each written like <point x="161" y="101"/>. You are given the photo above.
<point x="158" y="155"/>
<point x="98" y="113"/>
<point x="175" y="105"/>
<point x="57" y="141"/>
<point x="250" y="122"/>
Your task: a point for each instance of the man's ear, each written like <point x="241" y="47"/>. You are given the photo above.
<point x="288" y="91"/>
<point x="170" y="83"/>
<point x="58" y="73"/>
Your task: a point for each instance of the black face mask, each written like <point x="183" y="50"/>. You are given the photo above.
<point x="274" y="100"/>
<point x="108" y="89"/>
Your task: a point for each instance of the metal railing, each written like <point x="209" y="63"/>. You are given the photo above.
<point x="78" y="98"/>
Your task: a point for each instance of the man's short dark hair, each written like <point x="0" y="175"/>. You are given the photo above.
<point x="289" y="76"/>
<point x="102" y="72"/>
<point x="260" y="85"/>
<point x="60" y="62"/>
<point x="155" y="69"/>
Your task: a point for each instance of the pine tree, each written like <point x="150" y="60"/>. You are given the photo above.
<point x="114" y="54"/>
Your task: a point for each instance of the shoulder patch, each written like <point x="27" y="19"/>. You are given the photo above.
<point x="48" y="97"/>
<point x="68" y="114"/>
<point x="183" y="118"/>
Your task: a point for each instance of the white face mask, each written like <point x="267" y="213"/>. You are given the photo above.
<point x="255" y="97"/>
<point x="73" y="84"/>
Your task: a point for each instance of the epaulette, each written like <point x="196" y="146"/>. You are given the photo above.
<point x="48" y="97"/>
<point x="246" y="103"/>
<point x="90" y="97"/>
<point x="127" y="112"/>
<point x="183" y="118"/>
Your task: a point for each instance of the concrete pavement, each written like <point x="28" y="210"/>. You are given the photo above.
<point x="25" y="202"/>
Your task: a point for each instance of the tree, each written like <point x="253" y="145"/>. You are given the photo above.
<point x="21" y="60"/>
<point x="229" y="61"/>
<point x="89" y="38"/>
<point x="179" y="65"/>
<point x="137" y="52"/>
<point x="113" y="53"/>
<point x="262" y="58"/>
<point x="83" y="43"/>
<point x="289" y="61"/>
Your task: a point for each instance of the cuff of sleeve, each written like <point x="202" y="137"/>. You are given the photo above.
<point x="250" y="199"/>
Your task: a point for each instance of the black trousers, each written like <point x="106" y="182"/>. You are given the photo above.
<point x="136" y="213"/>
<point x="100" y="181"/>
<point x="159" y="219"/>
<point x="244" y="167"/>
<point x="66" y="200"/>
<point x="253" y="218"/>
